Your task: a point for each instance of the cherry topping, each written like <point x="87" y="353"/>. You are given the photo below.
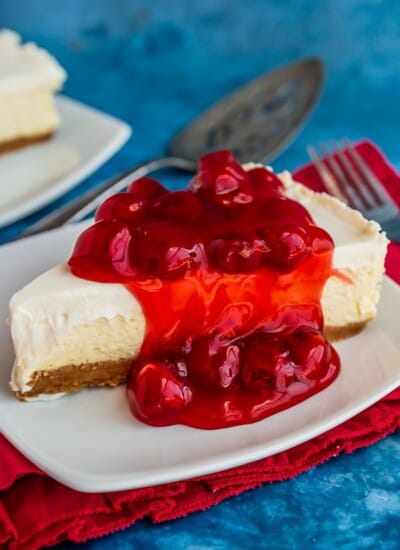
<point x="181" y="205"/>
<point x="221" y="175"/>
<point x="214" y="369"/>
<point x="147" y="188"/>
<point x="321" y="241"/>
<point x="282" y="208"/>
<point x="103" y="248"/>
<point x="265" y="182"/>
<point x="289" y="244"/>
<point x="236" y="255"/>
<point x="265" y="358"/>
<point x="157" y="395"/>
<point x="220" y="172"/>
<point x="311" y="351"/>
<point x="123" y="207"/>
<point x="229" y="274"/>
<point x="166" y="249"/>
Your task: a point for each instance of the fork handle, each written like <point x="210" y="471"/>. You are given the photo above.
<point x="86" y="203"/>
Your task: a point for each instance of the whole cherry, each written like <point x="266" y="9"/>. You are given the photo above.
<point x="289" y="245"/>
<point x="264" y="182"/>
<point x="321" y="241"/>
<point x="156" y="394"/>
<point x="147" y="188"/>
<point x="211" y="366"/>
<point x="103" y="249"/>
<point x="311" y="351"/>
<point x="128" y="208"/>
<point x="266" y="360"/>
<point x="167" y="249"/>
<point x="240" y="254"/>
<point x="179" y="205"/>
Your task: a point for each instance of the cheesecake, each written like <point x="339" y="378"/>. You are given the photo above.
<point x="222" y="316"/>
<point x="29" y="78"/>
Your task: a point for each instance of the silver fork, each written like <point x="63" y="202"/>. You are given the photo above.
<point x="346" y="175"/>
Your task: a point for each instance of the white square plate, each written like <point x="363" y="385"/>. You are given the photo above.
<point x="37" y="174"/>
<point x="91" y="442"/>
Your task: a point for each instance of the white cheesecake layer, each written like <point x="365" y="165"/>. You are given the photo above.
<point x="27" y="116"/>
<point x="345" y="304"/>
<point x="59" y="319"/>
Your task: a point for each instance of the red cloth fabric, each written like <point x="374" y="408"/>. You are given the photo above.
<point x="36" y="510"/>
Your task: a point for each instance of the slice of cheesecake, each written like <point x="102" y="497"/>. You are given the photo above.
<point x="69" y="332"/>
<point x="29" y="77"/>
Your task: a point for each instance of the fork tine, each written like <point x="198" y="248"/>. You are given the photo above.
<point x="329" y="182"/>
<point x="375" y="185"/>
<point x="343" y="176"/>
<point x="354" y="178"/>
<point x="353" y="198"/>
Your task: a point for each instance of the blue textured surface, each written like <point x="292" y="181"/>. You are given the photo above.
<point x="157" y="64"/>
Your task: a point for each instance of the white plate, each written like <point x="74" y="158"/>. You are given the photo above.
<point x="35" y="175"/>
<point x="91" y="442"/>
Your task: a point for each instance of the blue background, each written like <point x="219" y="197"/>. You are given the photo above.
<point x="156" y="64"/>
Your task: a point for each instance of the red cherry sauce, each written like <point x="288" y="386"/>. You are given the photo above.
<point x="229" y="274"/>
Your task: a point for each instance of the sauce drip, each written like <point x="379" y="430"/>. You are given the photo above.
<point x="230" y="275"/>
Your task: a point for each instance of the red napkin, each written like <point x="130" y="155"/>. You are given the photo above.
<point x="36" y="511"/>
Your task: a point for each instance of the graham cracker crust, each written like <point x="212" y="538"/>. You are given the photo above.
<point x="18" y="143"/>
<point x="71" y="378"/>
<point x="333" y="334"/>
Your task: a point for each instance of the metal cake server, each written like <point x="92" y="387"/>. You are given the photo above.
<point x="255" y="122"/>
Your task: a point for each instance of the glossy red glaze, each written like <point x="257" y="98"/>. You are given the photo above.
<point x="230" y="275"/>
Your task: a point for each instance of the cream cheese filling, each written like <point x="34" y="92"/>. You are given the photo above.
<point x="27" y="115"/>
<point x="58" y="318"/>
